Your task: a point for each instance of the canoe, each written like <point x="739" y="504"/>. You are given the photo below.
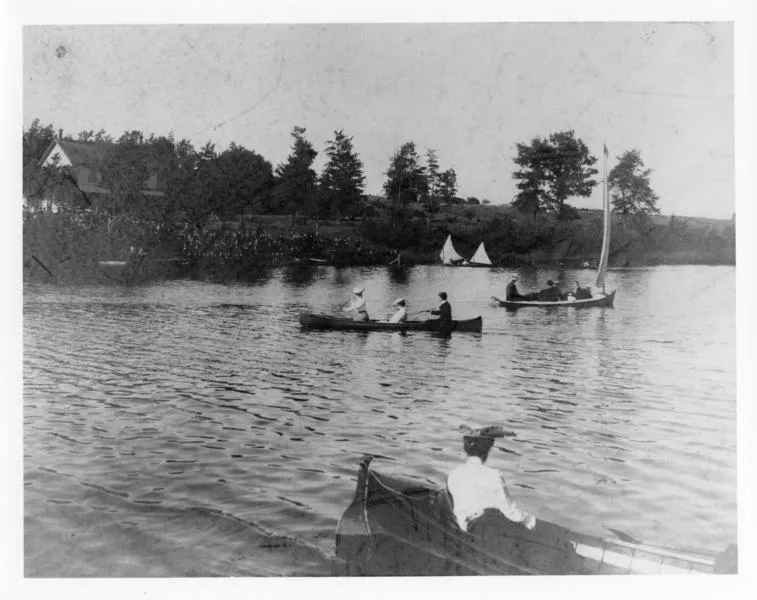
<point x="400" y="526"/>
<point x="312" y="321"/>
<point x="602" y="300"/>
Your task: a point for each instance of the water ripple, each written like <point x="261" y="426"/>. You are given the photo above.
<point x="200" y="421"/>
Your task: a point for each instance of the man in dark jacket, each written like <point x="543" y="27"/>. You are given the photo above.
<point x="444" y="311"/>
<point x="550" y="293"/>
<point x="511" y="291"/>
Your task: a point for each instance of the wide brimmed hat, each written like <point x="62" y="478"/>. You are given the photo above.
<point x="514" y="278"/>
<point x="490" y="431"/>
<point x="443" y="295"/>
<point x="358" y="290"/>
<point x="399" y="302"/>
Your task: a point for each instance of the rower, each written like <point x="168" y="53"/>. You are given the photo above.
<point x="356" y="305"/>
<point x="444" y="311"/>
<point x="479" y="491"/>
<point x="401" y="315"/>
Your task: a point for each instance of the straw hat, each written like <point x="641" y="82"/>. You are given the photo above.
<point x="358" y="290"/>
<point x="490" y="431"/>
<point x="399" y="302"/>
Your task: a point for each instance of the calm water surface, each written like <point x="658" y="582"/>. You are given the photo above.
<point x="193" y="429"/>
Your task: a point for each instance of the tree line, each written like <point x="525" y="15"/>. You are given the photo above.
<point x="229" y="182"/>
<point x="200" y="183"/>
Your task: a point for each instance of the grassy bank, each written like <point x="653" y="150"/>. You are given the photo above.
<point x="74" y="245"/>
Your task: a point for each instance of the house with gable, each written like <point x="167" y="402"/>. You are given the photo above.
<point x="85" y="162"/>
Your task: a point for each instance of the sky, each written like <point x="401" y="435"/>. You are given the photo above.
<point x="470" y="91"/>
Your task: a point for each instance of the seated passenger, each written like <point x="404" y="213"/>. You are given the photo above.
<point x="582" y="293"/>
<point x="550" y="293"/>
<point x="476" y="489"/>
<point x="401" y="315"/>
<point x="357" y="306"/>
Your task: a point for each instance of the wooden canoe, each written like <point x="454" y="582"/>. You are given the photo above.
<point x="312" y="321"/>
<point x="606" y="300"/>
<point x="399" y="526"/>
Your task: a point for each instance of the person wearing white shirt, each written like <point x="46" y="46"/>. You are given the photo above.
<point x="476" y="488"/>
<point x="401" y="315"/>
<point x="357" y="305"/>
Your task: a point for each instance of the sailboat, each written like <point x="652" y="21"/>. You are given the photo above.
<point x="480" y="258"/>
<point x="449" y="255"/>
<point x="602" y="298"/>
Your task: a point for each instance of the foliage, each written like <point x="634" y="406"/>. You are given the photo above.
<point x="296" y="181"/>
<point x="125" y="168"/>
<point x="236" y="180"/>
<point x="406" y="177"/>
<point x="92" y="136"/>
<point x="448" y="185"/>
<point x="630" y="189"/>
<point x="342" y="180"/>
<point x="551" y="170"/>
<point x="37" y="180"/>
<point x="432" y="171"/>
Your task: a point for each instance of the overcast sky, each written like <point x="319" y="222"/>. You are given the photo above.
<point x="471" y="91"/>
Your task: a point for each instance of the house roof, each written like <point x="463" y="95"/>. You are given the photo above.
<point x="85" y="153"/>
<point x="79" y="153"/>
<point x="91" y="154"/>
<point x="88" y="154"/>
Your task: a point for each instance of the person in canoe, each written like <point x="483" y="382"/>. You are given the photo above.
<point x="400" y="316"/>
<point x="551" y="293"/>
<point x="582" y="293"/>
<point x="356" y="305"/>
<point x="511" y="291"/>
<point x="479" y="492"/>
<point x="444" y="311"/>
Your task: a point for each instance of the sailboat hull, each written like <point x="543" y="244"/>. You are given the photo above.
<point x="475" y="265"/>
<point x="605" y="300"/>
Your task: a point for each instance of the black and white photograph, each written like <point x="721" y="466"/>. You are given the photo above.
<point x="400" y="299"/>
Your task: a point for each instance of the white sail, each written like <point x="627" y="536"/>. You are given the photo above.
<point x="448" y="253"/>
<point x="602" y="269"/>
<point x="480" y="257"/>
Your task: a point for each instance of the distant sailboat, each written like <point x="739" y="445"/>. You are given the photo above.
<point x="480" y="258"/>
<point x="449" y="255"/>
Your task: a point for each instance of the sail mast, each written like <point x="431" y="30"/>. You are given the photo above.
<point x="602" y="269"/>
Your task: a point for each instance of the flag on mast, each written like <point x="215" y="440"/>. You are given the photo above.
<point x="606" y="152"/>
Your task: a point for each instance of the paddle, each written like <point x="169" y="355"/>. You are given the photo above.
<point x="625" y="537"/>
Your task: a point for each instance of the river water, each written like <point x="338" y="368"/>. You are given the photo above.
<point x="188" y="428"/>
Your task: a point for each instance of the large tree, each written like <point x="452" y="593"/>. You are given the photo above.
<point x="125" y="168"/>
<point x="406" y="179"/>
<point x="551" y="170"/>
<point x="342" y="180"/>
<point x="630" y="189"/>
<point x="296" y="181"/>
<point x="432" y="170"/>
<point x="243" y="180"/>
<point x="448" y="185"/>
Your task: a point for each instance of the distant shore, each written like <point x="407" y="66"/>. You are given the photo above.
<point x="82" y="246"/>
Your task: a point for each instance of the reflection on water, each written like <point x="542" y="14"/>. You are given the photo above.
<point x="194" y="429"/>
